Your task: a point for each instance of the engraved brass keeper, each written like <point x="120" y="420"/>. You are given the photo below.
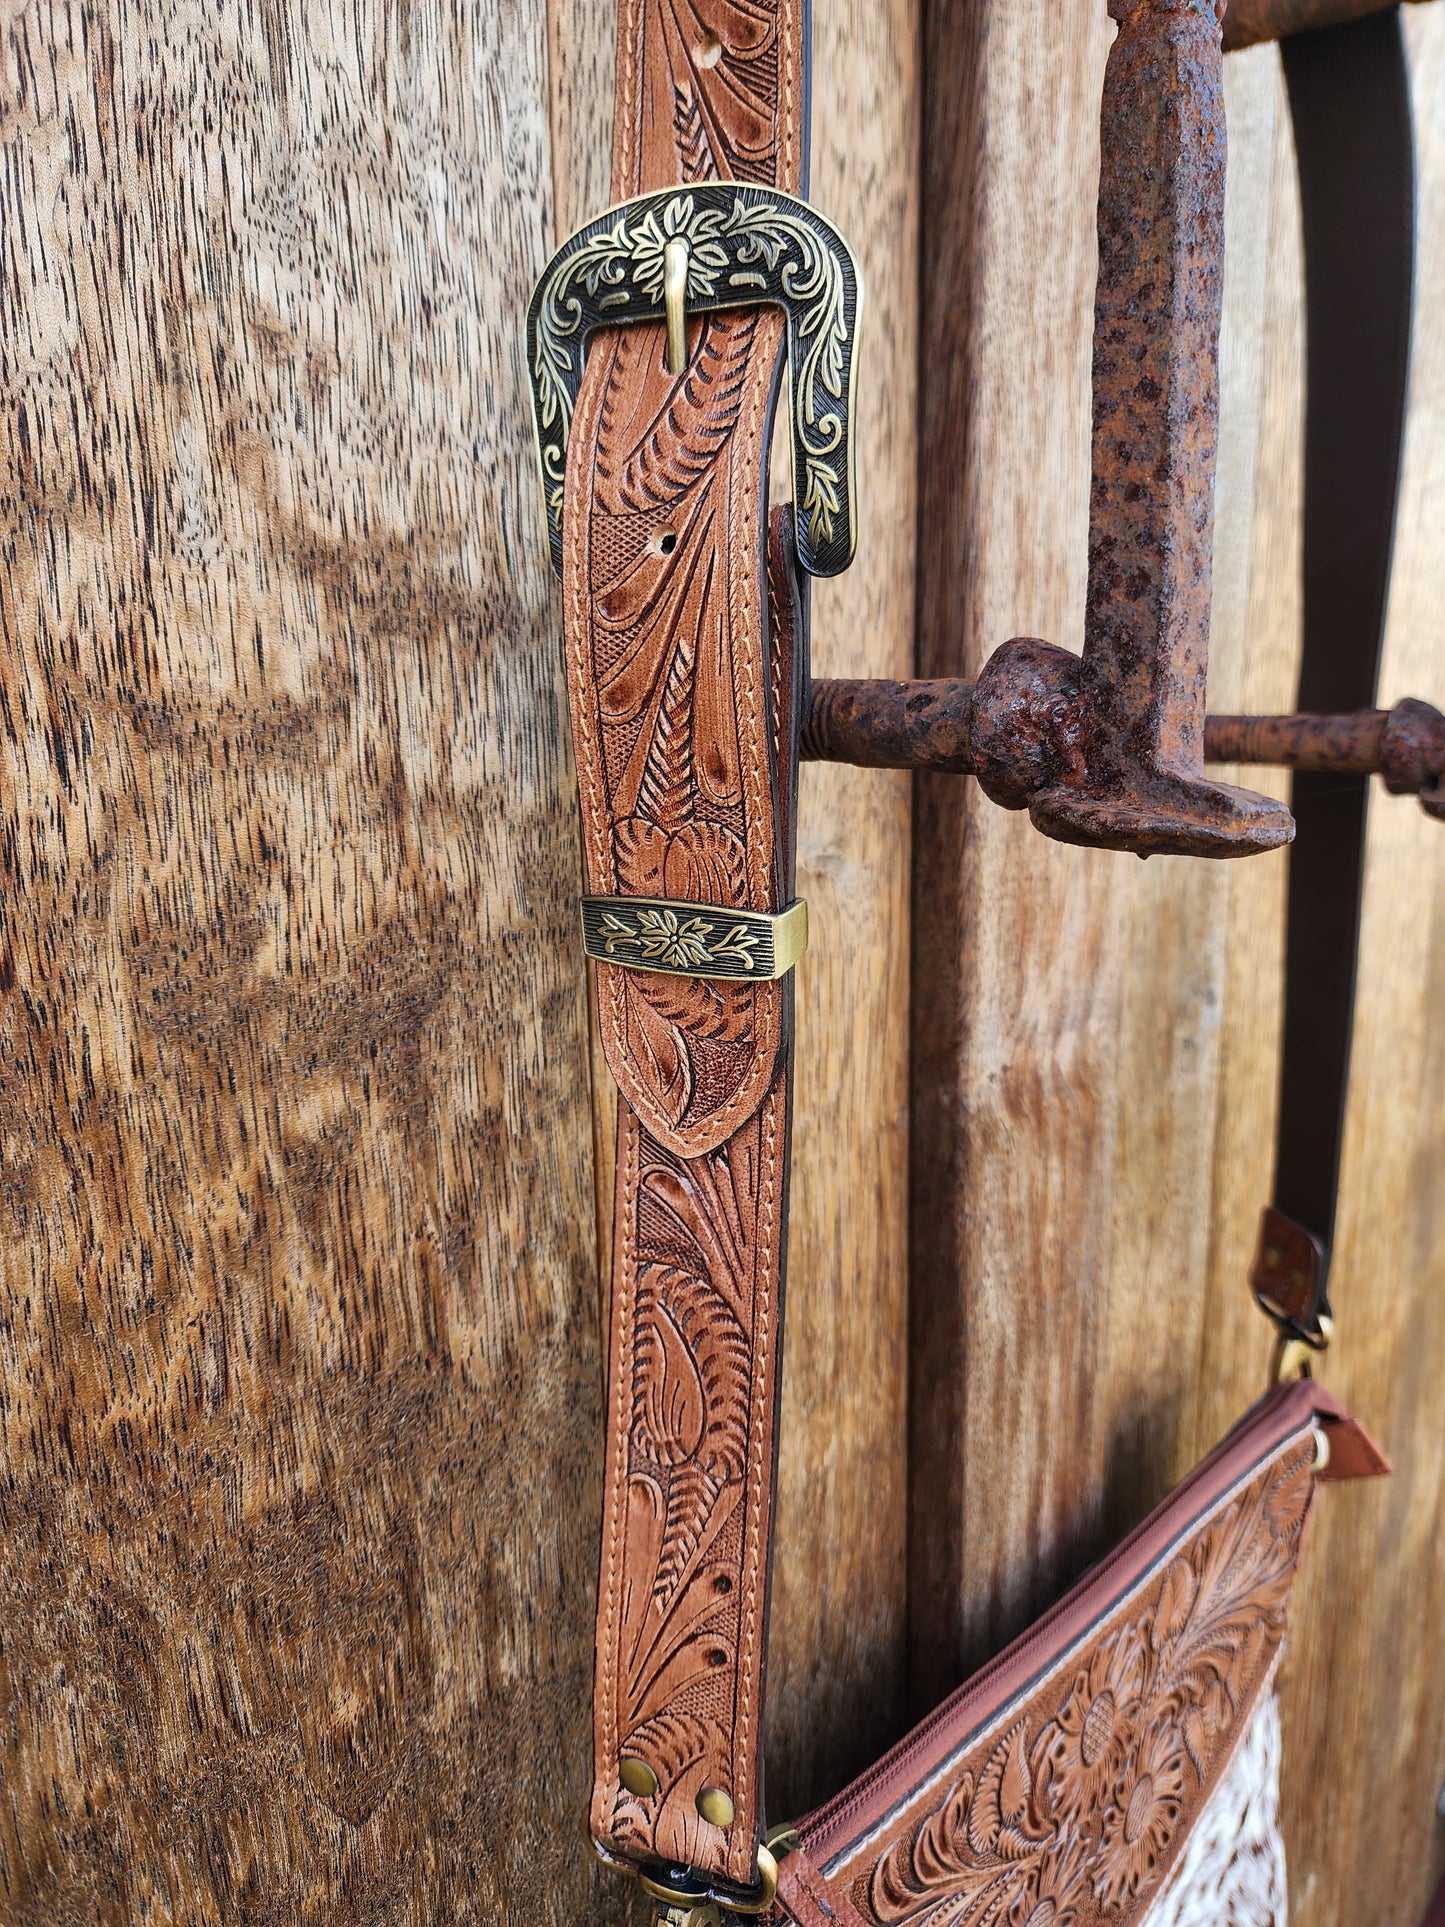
<point x="703" y="249"/>
<point x="694" y="939"/>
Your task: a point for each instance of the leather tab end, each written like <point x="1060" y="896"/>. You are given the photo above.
<point x="806" y="1900"/>
<point x="1288" y="1273"/>
<point x="1353" y="1453"/>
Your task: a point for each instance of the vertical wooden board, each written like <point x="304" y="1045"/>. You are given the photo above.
<point x="1094" y="1100"/>
<point x="838" y="1649"/>
<point x="1067" y="1005"/>
<point x="1365" y="1709"/>
<point x="1013" y="962"/>
<point x="298" y="1394"/>
<point x="582" y="72"/>
<point x="1186" y="918"/>
<point x="1065" y="1002"/>
<point x="1236" y="1340"/>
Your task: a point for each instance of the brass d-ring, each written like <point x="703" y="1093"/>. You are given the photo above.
<point x="729" y="1900"/>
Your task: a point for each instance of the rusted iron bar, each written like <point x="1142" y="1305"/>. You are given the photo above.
<point x="1108" y="748"/>
<point x="937" y="726"/>
<point x="1345" y="744"/>
<point x="1247" y="22"/>
<point x="1133" y="777"/>
<point x="891" y="725"/>
<point x="1405" y="745"/>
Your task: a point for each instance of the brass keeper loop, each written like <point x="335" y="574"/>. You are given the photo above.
<point x="694" y="939"/>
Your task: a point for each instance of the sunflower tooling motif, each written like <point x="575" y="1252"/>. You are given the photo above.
<point x="1073" y="1813"/>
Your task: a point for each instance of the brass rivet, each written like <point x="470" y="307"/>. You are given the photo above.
<point x="638" y="1777"/>
<point x="715" y="1806"/>
<point x="1322" y="1449"/>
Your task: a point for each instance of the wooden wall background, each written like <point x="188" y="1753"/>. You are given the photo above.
<point x="300" y="1133"/>
<point x="1095" y="1040"/>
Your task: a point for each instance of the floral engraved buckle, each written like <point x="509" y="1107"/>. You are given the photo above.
<point x="713" y="246"/>
<point x="694" y="939"/>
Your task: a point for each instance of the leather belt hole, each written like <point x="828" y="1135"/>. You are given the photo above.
<point x="664" y="541"/>
<point x="708" y="51"/>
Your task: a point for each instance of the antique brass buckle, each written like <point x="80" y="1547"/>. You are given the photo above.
<point x="700" y="250"/>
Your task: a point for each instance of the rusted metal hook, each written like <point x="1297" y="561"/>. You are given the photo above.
<point x="942" y="726"/>
<point x="1108" y="748"/>
<point x="1131" y="772"/>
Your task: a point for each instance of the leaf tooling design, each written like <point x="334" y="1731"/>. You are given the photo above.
<point x="669" y="1404"/>
<point x="738" y="90"/>
<point x="661" y="1050"/>
<point x="691" y="136"/>
<point x="694" y="1238"/>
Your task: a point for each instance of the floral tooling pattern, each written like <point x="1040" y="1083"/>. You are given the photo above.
<point x="1073" y="1816"/>
<point x="697" y="1315"/>
<point x="672" y="709"/>
<point x="682" y="694"/>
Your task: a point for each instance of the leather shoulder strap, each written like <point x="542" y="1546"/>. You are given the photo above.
<point x="1350" y="100"/>
<point x="683" y="698"/>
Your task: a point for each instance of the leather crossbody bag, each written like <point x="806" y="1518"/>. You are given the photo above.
<point x="1118" y="1762"/>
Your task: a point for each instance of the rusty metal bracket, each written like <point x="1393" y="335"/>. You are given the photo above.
<point x="1108" y="748"/>
<point x="1018" y="748"/>
<point x="1247" y="22"/>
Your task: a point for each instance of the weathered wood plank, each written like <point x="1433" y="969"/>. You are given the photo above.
<point x="1095" y="1091"/>
<point x="1016" y="942"/>
<point x="298" y="1389"/>
<point x="836" y="1677"/>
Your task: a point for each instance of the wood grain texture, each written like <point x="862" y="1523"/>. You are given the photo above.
<point x="298" y="1387"/>
<point x="1066" y="1081"/>
<point x="836" y="1679"/>
<point x="1094" y="1091"/>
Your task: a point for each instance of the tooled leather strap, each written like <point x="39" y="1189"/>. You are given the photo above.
<point x="683" y="701"/>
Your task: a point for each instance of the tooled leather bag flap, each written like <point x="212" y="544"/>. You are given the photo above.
<point x="1072" y="1770"/>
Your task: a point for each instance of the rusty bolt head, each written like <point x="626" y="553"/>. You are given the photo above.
<point x="1412" y="753"/>
<point x="1028" y="721"/>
